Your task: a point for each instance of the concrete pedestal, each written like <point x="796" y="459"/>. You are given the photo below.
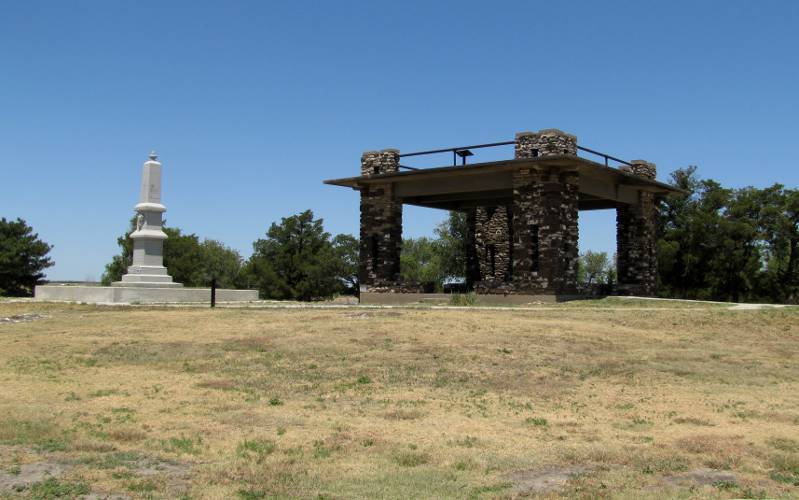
<point x="139" y="294"/>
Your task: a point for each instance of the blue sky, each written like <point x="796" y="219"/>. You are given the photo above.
<point x="250" y="105"/>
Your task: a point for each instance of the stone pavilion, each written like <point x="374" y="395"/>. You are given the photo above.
<point x="522" y="213"/>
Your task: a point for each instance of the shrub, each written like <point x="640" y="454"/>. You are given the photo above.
<point x="463" y="299"/>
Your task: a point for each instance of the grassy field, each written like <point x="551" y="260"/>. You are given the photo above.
<point x="605" y="399"/>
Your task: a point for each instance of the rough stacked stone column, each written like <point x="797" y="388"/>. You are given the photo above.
<point x="547" y="142"/>
<point x="472" y="262"/>
<point x="381" y="222"/>
<point x="492" y="244"/>
<point x="544" y="213"/>
<point x="636" y="239"/>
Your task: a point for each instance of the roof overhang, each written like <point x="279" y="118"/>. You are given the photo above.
<point x="460" y="187"/>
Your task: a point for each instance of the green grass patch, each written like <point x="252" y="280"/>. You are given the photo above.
<point x="103" y="393"/>
<point x="123" y="415"/>
<point x="480" y="491"/>
<point x="251" y="494"/>
<point x="536" y="421"/>
<point x="410" y="458"/>
<point x="143" y="486"/>
<point x="182" y="444"/>
<point x="463" y="299"/>
<point x="465" y="442"/>
<point x="53" y="488"/>
<point x="127" y="459"/>
<point x="786" y="469"/>
<point x="784" y="444"/>
<point x="41" y="435"/>
<point x="35" y="366"/>
<point x="255" y="449"/>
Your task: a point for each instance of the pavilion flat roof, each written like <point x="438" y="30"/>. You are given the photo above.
<point x="461" y="186"/>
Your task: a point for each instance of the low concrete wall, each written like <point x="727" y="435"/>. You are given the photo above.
<point x="131" y="295"/>
<point x="444" y="298"/>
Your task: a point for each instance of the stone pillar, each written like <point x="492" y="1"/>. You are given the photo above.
<point x="472" y="262"/>
<point x="381" y="222"/>
<point x="492" y="248"/>
<point x="147" y="269"/>
<point x="636" y="238"/>
<point x="544" y="214"/>
<point x="547" y="142"/>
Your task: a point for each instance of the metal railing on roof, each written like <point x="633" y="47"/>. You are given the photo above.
<point x="465" y="151"/>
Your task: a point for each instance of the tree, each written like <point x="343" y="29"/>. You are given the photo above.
<point x="188" y="260"/>
<point x="296" y="260"/>
<point x="347" y="255"/>
<point x="429" y="261"/>
<point x="594" y="268"/>
<point x="220" y="262"/>
<point x="183" y="257"/>
<point x="23" y="257"/>
<point x="420" y="263"/>
<point x="119" y="263"/>
<point x="778" y="226"/>
<point x="452" y="244"/>
<point x="691" y="230"/>
<point x="729" y="244"/>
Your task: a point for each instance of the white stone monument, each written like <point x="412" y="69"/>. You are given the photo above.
<point x="147" y="281"/>
<point x="147" y="269"/>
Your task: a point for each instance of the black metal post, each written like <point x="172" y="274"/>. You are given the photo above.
<point x="213" y="292"/>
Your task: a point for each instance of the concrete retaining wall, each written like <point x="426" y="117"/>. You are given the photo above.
<point x="124" y="295"/>
<point x="444" y="298"/>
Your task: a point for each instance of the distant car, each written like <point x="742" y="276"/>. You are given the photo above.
<point x="455" y="285"/>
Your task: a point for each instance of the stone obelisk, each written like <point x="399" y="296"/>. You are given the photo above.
<point x="147" y="269"/>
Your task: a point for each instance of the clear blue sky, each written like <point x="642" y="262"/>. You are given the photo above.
<point x="252" y="104"/>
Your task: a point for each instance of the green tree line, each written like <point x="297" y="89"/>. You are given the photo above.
<point x="717" y="243"/>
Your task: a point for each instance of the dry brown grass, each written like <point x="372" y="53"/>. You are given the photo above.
<point x="419" y="403"/>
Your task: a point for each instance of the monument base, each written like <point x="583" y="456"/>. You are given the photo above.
<point x="139" y="294"/>
<point x="147" y="284"/>
<point x="147" y="277"/>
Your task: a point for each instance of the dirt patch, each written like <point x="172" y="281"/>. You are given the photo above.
<point x="693" y="421"/>
<point x="176" y="472"/>
<point x="23" y="476"/>
<point x="358" y="315"/>
<point x="222" y="384"/>
<point x="174" y="476"/>
<point x="544" y="479"/>
<point x="389" y="314"/>
<point x="372" y="314"/>
<point x="700" y="477"/>
<point x="21" y="318"/>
